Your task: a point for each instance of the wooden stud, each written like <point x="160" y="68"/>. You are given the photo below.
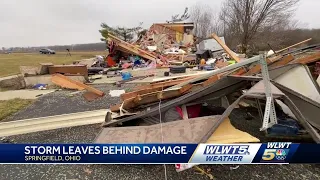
<point x="225" y="47"/>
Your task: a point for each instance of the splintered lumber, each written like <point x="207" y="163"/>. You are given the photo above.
<point x="285" y="60"/>
<point x="150" y="98"/>
<point x="218" y="89"/>
<point x="165" y="95"/>
<point x="284" y="49"/>
<point x="134" y="99"/>
<point x="239" y="72"/>
<point x="225" y="47"/>
<point x="132" y="94"/>
<point x="308" y="59"/>
<point x="66" y="82"/>
<point x="164" y="84"/>
<point x="274" y="62"/>
<point x="222" y="70"/>
<point x="211" y="80"/>
<point x="131" y="48"/>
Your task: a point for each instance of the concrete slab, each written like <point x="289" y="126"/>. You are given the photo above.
<point x="46" y="79"/>
<point x="24" y="94"/>
<point x="12" y="82"/>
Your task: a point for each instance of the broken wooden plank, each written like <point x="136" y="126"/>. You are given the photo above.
<point x="164" y="84"/>
<point x="284" y="49"/>
<point x="239" y="71"/>
<point x="308" y="59"/>
<point x="66" y="82"/>
<point x="256" y="68"/>
<point x="90" y="96"/>
<point x="218" y="89"/>
<point x="132" y="94"/>
<point x="275" y="61"/>
<point x="285" y="60"/>
<point x="150" y="98"/>
<point x="225" y="47"/>
<point x="211" y="80"/>
<point x="134" y="99"/>
<point x="218" y="71"/>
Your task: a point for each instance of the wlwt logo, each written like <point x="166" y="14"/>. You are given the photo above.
<point x="276" y="152"/>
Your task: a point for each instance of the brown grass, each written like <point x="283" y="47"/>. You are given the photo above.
<point x="9" y="63"/>
<point x="12" y="106"/>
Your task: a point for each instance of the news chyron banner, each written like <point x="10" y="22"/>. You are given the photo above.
<point x="273" y="152"/>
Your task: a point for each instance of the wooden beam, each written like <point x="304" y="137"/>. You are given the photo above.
<point x="225" y="47"/>
<point x="308" y="59"/>
<point x="284" y="49"/>
<point x="256" y="69"/>
<point x="150" y="98"/>
<point x="132" y="94"/>
<point x="164" y="84"/>
<point x="211" y="80"/>
<point x="240" y="71"/>
<point x="277" y="61"/>
<point x="285" y="60"/>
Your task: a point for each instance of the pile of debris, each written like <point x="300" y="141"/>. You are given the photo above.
<point x="276" y="80"/>
<point x="169" y="44"/>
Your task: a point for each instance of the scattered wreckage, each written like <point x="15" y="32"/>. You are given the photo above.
<point x="277" y="81"/>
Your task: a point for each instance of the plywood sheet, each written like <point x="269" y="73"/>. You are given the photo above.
<point x="65" y="83"/>
<point x="226" y="133"/>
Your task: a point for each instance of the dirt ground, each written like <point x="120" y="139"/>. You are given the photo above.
<point x="59" y="103"/>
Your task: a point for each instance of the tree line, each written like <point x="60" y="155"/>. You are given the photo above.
<point x="250" y="26"/>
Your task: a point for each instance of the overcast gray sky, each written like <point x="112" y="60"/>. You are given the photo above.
<point x="59" y="22"/>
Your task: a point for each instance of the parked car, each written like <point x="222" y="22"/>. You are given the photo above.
<point x="47" y="51"/>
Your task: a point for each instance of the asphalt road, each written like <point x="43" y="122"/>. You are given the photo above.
<point x="60" y="103"/>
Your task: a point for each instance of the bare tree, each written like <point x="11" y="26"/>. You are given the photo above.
<point x="245" y="18"/>
<point x="205" y="20"/>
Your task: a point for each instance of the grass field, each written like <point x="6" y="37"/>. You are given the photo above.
<point x="9" y="63"/>
<point x="12" y="106"/>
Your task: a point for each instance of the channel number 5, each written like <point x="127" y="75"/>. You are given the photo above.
<point x="268" y="154"/>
